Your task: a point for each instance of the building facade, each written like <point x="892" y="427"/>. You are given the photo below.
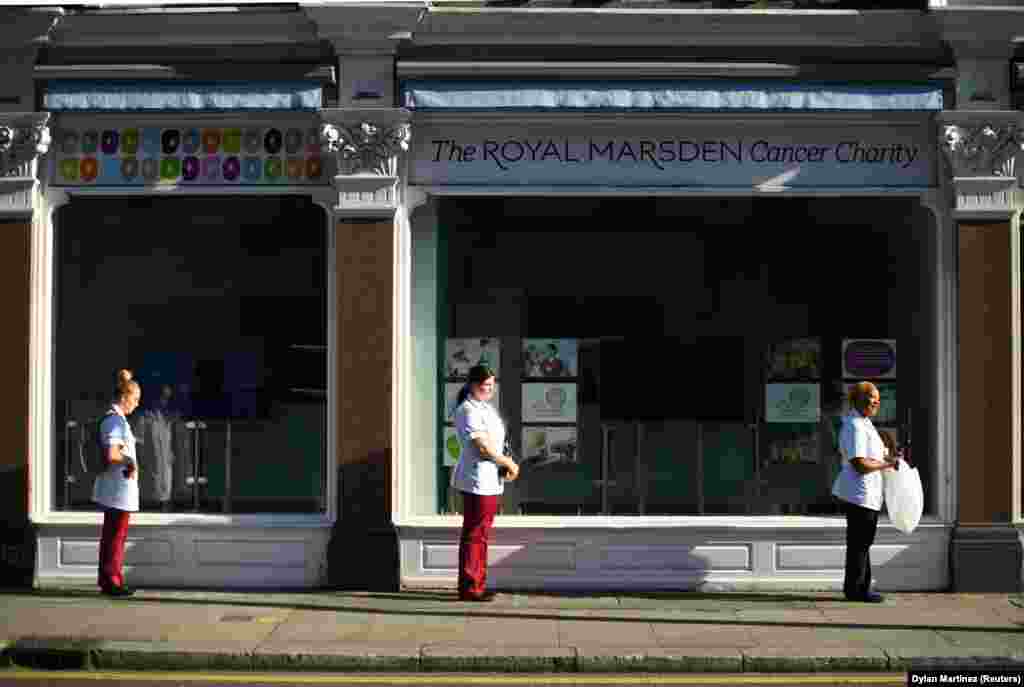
<point x="677" y="232"/>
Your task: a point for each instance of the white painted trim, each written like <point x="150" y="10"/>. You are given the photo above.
<point x="938" y="200"/>
<point x="723" y="121"/>
<point x="691" y="523"/>
<point x="40" y="419"/>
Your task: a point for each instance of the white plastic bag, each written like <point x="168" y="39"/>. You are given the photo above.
<point x="904" y="498"/>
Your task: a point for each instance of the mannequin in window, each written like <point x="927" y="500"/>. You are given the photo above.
<point x="159" y="424"/>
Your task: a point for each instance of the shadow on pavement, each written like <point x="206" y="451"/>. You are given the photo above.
<point x="498" y="609"/>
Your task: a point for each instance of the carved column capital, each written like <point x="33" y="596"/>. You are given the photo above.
<point x="23" y="138"/>
<point x="981" y="149"/>
<point x="367" y="145"/>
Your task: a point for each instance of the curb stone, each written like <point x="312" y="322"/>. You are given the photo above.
<point x="659" y="660"/>
<point x="506" y="659"/>
<point x="339" y="658"/>
<point x="771" y="660"/>
<point x="66" y="654"/>
<point x="128" y="655"/>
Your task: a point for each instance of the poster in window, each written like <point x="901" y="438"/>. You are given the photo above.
<point x="794" y="359"/>
<point x="462" y="354"/>
<point x="451" y="392"/>
<point x="544" y="402"/>
<point x="547" y="358"/>
<point x="549" y="445"/>
<point x="792" y="402"/>
<point x="869" y="359"/>
<point x="451" y="446"/>
<point x="888" y="410"/>
<point x="792" y="446"/>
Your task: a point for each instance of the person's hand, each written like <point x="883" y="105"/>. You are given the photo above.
<point x="513" y="471"/>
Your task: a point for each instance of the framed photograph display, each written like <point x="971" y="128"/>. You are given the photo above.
<point x="547" y="445"/>
<point x="451" y="393"/>
<point x="869" y="359"/>
<point x="462" y="354"/>
<point x="549" y="402"/>
<point x="792" y="403"/>
<point x="550" y="358"/>
<point x="794" y="359"/>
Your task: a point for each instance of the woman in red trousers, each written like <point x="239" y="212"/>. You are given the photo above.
<point x="480" y="475"/>
<point x="117" y="488"/>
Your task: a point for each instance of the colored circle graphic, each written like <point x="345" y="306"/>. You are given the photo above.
<point x="314" y="168"/>
<point x="89" y="169"/>
<point x="150" y="169"/>
<point x="69" y="143"/>
<point x="252" y="141"/>
<point x="190" y="168"/>
<point x="130" y="141"/>
<point x="170" y="168"/>
<point x="151" y="140"/>
<point x="273" y="168"/>
<point x="129" y="168"/>
<point x="108" y="141"/>
<point x="69" y="169"/>
<point x="252" y="169"/>
<point x="169" y="141"/>
<point x="295" y="166"/>
<point x="293" y="141"/>
<point x="232" y="167"/>
<point x="272" y="141"/>
<point x="90" y="142"/>
<point x="233" y="141"/>
<point x="211" y="140"/>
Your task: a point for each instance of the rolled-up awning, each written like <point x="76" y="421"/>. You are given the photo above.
<point x="151" y="96"/>
<point x="665" y="95"/>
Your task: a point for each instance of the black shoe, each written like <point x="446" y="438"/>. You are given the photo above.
<point x="123" y="590"/>
<point x="485" y="597"/>
<point x="870" y="598"/>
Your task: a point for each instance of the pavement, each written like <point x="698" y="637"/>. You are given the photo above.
<point x="519" y="632"/>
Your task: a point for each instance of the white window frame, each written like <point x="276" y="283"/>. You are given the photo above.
<point x="42" y="461"/>
<point x="934" y="198"/>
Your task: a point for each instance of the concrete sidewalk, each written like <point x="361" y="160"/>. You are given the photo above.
<point x="519" y="632"/>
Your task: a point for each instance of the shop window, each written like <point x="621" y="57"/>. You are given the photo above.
<point x="679" y="357"/>
<point x="219" y="307"/>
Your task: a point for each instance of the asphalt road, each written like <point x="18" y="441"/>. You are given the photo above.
<point x="26" y="678"/>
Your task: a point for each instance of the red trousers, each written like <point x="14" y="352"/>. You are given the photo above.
<point x="115" y="532"/>
<point x="477" y="518"/>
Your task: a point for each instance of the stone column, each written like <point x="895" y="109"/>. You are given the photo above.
<point x="366" y="145"/>
<point x="981" y="148"/>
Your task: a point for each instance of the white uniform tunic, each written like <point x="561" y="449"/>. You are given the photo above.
<point x="858" y="437"/>
<point x="112" y="489"/>
<point x="472" y="473"/>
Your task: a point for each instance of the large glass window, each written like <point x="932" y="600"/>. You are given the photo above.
<point x="681" y="356"/>
<point x="219" y="307"/>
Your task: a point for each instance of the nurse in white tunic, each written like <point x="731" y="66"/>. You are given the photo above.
<point x="859" y="486"/>
<point x="480" y="475"/>
<point x="117" y="488"/>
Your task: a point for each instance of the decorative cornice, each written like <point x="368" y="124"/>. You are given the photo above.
<point x="365" y="141"/>
<point x="981" y="144"/>
<point x="365" y="26"/>
<point x="23" y="138"/>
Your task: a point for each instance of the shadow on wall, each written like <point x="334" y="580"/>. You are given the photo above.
<point x="363" y="551"/>
<point x="17" y="536"/>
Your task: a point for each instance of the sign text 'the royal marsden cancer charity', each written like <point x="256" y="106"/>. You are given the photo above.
<point x="659" y="154"/>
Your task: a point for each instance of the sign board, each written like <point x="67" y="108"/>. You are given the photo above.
<point x="784" y="154"/>
<point x="134" y="155"/>
<point x="869" y="358"/>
